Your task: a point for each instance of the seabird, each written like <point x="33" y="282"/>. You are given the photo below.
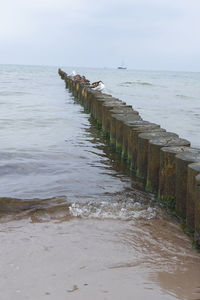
<point x="73" y="73"/>
<point x="98" y="86"/>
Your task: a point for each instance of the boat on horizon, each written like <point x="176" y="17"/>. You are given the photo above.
<point x="122" y="66"/>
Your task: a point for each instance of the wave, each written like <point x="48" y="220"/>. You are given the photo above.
<point x="14" y="93"/>
<point x="185" y="97"/>
<point x="23" y="168"/>
<point x="129" y="83"/>
<point x="108" y="210"/>
<point x="58" y="208"/>
<point x="15" y="205"/>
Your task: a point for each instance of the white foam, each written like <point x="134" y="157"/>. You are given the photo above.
<point x="117" y="210"/>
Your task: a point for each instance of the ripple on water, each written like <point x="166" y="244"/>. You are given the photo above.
<point x="132" y="83"/>
<point x="61" y="208"/>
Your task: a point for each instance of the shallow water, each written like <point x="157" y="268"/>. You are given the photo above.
<point x="171" y="99"/>
<point x="74" y="221"/>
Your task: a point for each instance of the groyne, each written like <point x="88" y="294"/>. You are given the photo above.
<point x="168" y="164"/>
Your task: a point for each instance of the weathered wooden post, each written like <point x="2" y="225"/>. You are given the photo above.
<point x="193" y="171"/>
<point x="110" y="108"/>
<point x="167" y="177"/>
<point x="134" y="133"/>
<point x="120" y="120"/>
<point x="182" y="161"/>
<point x="143" y="144"/>
<point x="197" y="211"/>
<point x="127" y="127"/>
<point x="154" y="159"/>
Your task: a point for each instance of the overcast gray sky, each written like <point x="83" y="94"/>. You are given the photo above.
<point x="146" y="34"/>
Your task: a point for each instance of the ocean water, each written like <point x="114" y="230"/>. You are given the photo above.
<point x="71" y="214"/>
<point x="171" y="99"/>
<point x="49" y="147"/>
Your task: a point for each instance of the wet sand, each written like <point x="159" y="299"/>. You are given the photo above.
<point x="55" y="256"/>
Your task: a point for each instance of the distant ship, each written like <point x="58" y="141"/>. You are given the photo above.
<point x="122" y="67"/>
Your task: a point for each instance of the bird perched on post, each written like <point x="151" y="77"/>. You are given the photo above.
<point x="97" y="86"/>
<point x="72" y="74"/>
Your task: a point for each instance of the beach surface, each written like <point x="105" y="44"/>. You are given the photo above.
<point x="54" y="255"/>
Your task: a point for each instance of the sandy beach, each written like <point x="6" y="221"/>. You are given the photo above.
<point x="52" y="255"/>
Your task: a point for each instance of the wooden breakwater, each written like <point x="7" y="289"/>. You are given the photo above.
<point x="169" y="166"/>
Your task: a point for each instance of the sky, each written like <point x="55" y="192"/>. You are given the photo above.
<point x="145" y="34"/>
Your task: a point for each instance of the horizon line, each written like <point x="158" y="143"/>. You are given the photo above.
<point x="103" y="68"/>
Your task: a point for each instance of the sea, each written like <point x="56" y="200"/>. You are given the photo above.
<point x="75" y="223"/>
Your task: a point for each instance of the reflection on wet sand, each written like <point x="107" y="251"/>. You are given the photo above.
<point x="97" y="259"/>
